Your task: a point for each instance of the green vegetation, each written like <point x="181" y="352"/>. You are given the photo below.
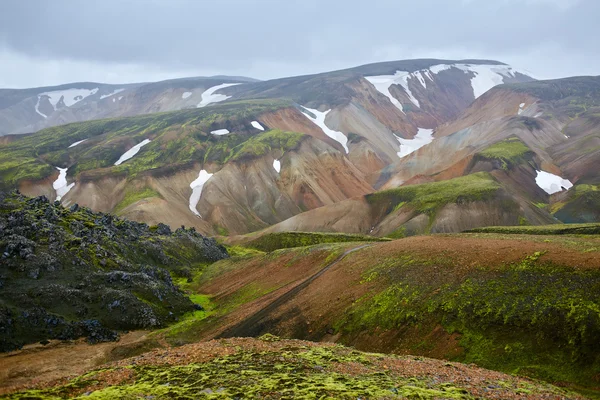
<point x="132" y="196"/>
<point x="557" y="229"/>
<point x="282" y="370"/>
<point x="178" y="139"/>
<point x="429" y="197"/>
<point x="530" y="318"/>
<point x="509" y="152"/>
<point x="263" y="143"/>
<point x="582" y="204"/>
<point x="285" y="240"/>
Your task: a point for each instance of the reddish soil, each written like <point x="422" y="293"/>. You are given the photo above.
<point x="36" y="364"/>
<point x="477" y="381"/>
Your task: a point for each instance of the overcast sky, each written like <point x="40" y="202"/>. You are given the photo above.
<point x="47" y="42"/>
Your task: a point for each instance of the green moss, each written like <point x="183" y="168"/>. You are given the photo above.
<point x="263" y="143"/>
<point x="179" y="139"/>
<point x="429" y="197"/>
<point x="301" y="373"/>
<point x="531" y="318"/>
<point x="556" y="229"/>
<point x="285" y="240"/>
<point x="132" y="196"/>
<point x="509" y="152"/>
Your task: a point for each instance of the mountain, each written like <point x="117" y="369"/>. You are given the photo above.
<point x="29" y="110"/>
<point x="266" y="153"/>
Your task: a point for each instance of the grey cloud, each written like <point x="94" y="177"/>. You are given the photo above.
<point x="273" y="38"/>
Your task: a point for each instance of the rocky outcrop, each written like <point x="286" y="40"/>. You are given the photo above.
<point x="67" y="273"/>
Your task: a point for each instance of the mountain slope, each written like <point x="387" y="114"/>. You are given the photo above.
<point x="517" y="303"/>
<point x="29" y="110"/>
<point x="237" y="142"/>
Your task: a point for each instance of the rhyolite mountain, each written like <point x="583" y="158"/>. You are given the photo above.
<point x="385" y="149"/>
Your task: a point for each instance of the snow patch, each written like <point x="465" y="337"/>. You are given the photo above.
<point x="37" y="108"/>
<point x="76" y="143"/>
<point x="219" y="132"/>
<point x="552" y="183"/>
<point x="277" y="165"/>
<point x="132" y="152"/>
<point x="521" y="109"/>
<point x="69" y="96"/>
<point x="407" y="146"/>
<point x="111" y="94"/>
<point x="114" y="100"/>
<point x="319" y="120"/>
<point x="421" y="77"/>
<point x="209" y="95"/>
<point x="185" y="95"/>
<point x="257" y="125"/>
<point x="197" y="186"/>
<point x="60" y="184"/>
<point x="383" y="82"/>
<point x="538" y="115"/>
<point x="121" y="98"/>
<point x="486" y="76"/>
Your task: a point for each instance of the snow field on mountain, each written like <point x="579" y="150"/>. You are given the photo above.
<point x="407" y="146"/>
<point x="197" y="186"/>
<point x="132" y="152"/>
<point x="257" y="125"/>
<point x="209" y="96"/>
<point x="77" y="143"/>
<point x="60" y="184"/>
<point x="551" y="183"/>
<point x="319" y="120"/>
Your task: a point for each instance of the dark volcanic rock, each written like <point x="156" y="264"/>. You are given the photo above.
<point x="68" y="273"/>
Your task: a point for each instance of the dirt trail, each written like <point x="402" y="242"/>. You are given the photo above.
<point x="37" y="364"/>
<point x="251" y="326"/>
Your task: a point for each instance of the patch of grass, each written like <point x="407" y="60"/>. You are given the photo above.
<point x="430" y="197"/>
<point x="285" y="240"/>
<point x="531" y="318"/>
<point x="509" y="152"/>
<point x="557" y="229"/>
<point x="293" y="372"/>
<point x="132" y="196"/>
<point x="263" y="143"/>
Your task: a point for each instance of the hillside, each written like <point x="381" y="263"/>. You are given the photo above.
<point x="29" y="110"/>
<point x="68" y="273"/>
<point x="333" y="152"/>
<point x="276" y="369"/>
<point x="521" y="304"/>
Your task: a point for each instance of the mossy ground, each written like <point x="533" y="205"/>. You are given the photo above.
<point x="509" y="152"/>
<point x="430" y="197"/>
<point x="270" y="368"/>
<point x="556" y="229"/>
<point x="285" y="240"/>
<point x="532" y="318"/>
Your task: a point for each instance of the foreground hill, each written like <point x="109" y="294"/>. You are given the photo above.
<point x="67" y="273"/>
<point x="271" y="368"/>
<point x="521" y="304"/>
